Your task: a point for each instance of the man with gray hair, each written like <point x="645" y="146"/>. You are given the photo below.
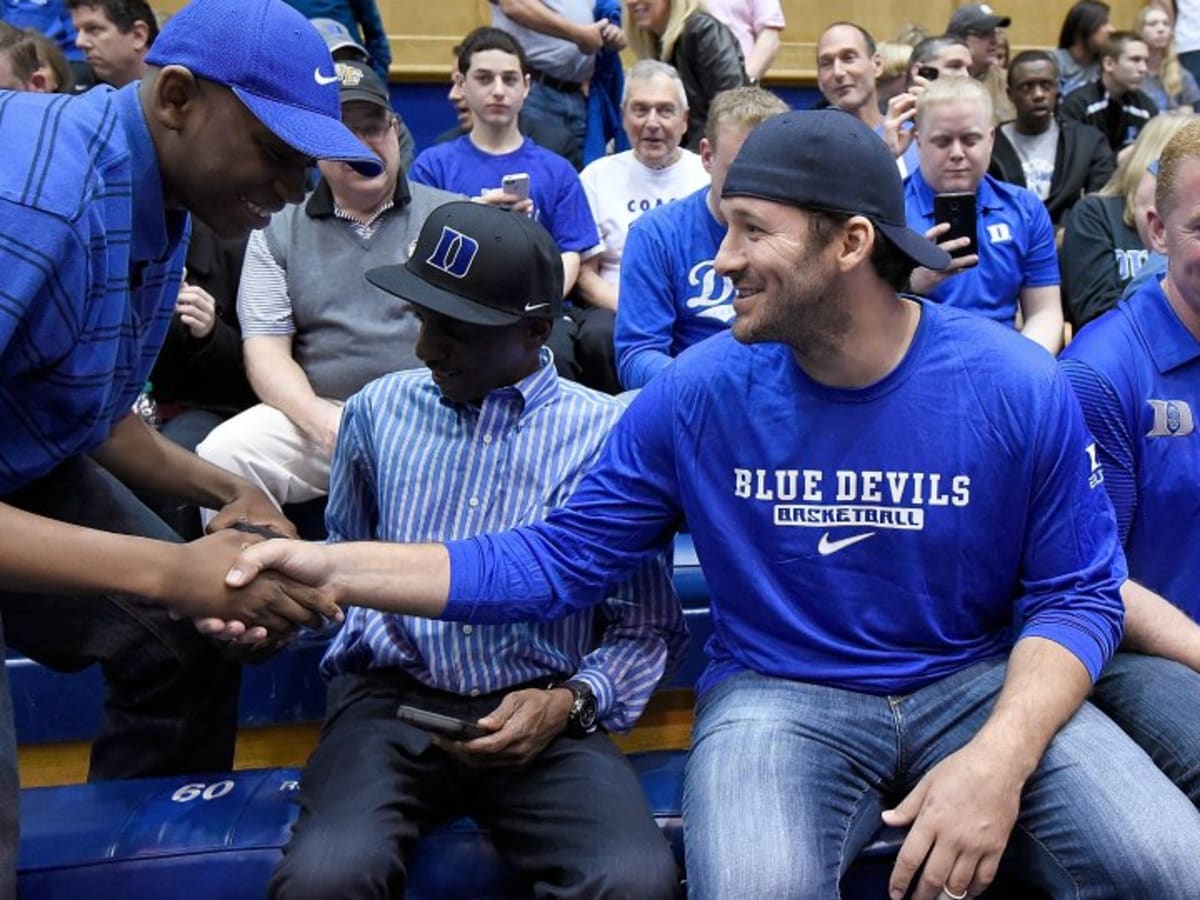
<point x="620" y="188"/>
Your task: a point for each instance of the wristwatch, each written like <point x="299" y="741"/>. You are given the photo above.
<point x="581" y="720"/>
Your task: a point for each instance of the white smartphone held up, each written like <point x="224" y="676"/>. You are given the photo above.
<point x="516" y="184"/>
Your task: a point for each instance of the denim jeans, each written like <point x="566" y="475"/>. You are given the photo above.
<point x="786" y="782"/>
<point x="1157" y="703"/>
<point x="558" y="109"/>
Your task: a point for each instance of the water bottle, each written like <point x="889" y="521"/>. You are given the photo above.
<point x="146" y="407"/>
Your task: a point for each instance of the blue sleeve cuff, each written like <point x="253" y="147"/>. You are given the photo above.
<point x="1089" y="649"/>
<point x="466" y="570"/>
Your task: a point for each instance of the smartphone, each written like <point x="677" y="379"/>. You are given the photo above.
<point x="516" y="183"/>
<point x="265" y="531"/>
<point x="436" y="723"/>
<point x="929" y="73"/>
<point x="959" y="211"/>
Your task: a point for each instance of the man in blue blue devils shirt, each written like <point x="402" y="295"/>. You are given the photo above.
<point x="1137" y="374"/>
<point x="913" y="567"/>
<point x="94" y="194"/>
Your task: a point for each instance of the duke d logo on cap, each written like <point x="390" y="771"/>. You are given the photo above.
<point x="479" y="264"/>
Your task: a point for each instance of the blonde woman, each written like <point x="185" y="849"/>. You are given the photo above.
<point x="1102" y="251"/>
<point x="1169" y="84"/>
<point x="703" y="51"/>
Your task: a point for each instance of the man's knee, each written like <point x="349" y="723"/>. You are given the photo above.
<point x="320" y="864"/>
<point x="647" y="870"/>
<point x="225" y="445"/>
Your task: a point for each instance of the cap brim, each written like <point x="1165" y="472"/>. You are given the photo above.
<point x="353" y="95"/>
<point x="400" y="282"/>
<point x="919" y="249"/>
<point x="312" y="133"/>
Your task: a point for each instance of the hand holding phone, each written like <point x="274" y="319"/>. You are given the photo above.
<point x="959" y="211"/>
<point x="516" y="184"/>
<point x="436" y="723"/>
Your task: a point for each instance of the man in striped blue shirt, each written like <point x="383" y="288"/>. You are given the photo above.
<point x="94" y="194"/>
<point x="488" y="437"/>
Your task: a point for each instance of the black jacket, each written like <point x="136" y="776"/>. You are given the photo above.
<point x="1083" y="163"/>
<point x="207" y="373"/>
<point x="1100" y="255"/>
<point x="709" y="60"/>
<point x="1121" y="119"/>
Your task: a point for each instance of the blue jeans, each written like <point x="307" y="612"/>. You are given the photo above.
<point x="786" y="782"/>
<point x="558" y="109"/>
<point x="1157" y="703"/>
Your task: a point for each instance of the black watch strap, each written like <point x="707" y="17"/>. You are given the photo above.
<point x="581" y="719"/>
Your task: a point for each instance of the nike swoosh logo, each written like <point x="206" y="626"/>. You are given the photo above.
<point x="530" y="307"/>
<point x="825" y="546"/>
<point x="323" y="79"/>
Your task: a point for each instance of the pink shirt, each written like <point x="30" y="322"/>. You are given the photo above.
<point x="747" y="18"/>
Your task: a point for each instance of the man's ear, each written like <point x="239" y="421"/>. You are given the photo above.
<point x="538" y="331"/>
<point x="857" y="242"/>
<point x="1158" y="231"/>
<point x="172" y="97"/>
<point x="141" y="36"/>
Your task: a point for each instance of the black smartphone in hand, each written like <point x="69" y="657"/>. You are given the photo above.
<point x="959" y="211"/>
<point x="436" y="723"/>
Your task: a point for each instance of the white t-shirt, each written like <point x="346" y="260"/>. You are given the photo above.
<point x="1187" y="26"/>
<point x="619" y="189"/>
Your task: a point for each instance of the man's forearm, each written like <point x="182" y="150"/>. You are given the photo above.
<point x="143" y="459"/>
<point x="407" y="579"/>
<point x="536" y="16"/>
<point x="43" y="555"/>
<point x="278" y="381"/>
<point x="766" y="45"/>
<point x="1044" y="686"/>
<point x="595" y="289"/>
<point x="1154" y="626"/>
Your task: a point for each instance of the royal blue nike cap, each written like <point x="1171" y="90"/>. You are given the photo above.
<point x="276" y="63"/>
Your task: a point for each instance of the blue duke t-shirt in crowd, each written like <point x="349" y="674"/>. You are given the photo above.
<point x="1016" y="247"/>
<point x="559" y="204"/>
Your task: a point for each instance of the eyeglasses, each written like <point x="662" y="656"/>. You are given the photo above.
<point x="372" y="129"/>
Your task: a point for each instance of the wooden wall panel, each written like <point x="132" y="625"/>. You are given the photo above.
<point x="423" y="32"/>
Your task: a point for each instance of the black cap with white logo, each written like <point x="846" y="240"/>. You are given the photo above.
<point x="479" y="264"/>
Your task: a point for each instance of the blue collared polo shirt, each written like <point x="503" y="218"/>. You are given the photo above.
<point x="91" y="267"/>
<point x="1016" y="247"/>
<point x="1136" y="371"/>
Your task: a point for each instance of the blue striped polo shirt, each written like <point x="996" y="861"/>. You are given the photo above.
<point x="91" y="265"/>
<point x="411" y="466"/>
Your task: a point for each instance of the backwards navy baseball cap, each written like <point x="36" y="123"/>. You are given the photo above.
<point x="829" y="160"/>
<point x="479" y="264"/>
<point x="277" y="65"/>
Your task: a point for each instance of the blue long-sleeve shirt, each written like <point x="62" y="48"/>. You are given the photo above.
<point x="874" y="540"/>
<point x="409" y="466"/>
<point x="356" y="15"/>
<point x="671" y="295"/>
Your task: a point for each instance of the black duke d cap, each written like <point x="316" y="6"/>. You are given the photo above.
<point x="479" y="264"/>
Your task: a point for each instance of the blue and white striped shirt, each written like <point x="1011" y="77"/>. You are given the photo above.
<point x="411" y="466"/>
<point x="91" y="266"/>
